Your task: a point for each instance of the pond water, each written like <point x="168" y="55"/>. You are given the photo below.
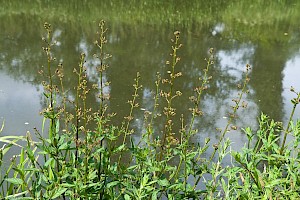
<point x="273" y="55"/>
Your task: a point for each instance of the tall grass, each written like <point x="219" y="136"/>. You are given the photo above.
<point x="83" y="157"/>
<point x="156" y="12"/>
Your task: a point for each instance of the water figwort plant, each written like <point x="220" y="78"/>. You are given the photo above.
<point x="81" y="154"/>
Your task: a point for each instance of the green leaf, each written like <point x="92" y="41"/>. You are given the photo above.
<point x="163" y="183"/>
<point x="15" y="181"/>
<point x="127" y="197"/>
<point x="154" y="195"/>
<point x="145" y="179"/>
<point x="51" y="175"/>
<point x="43" y="125"/>
<point x="68" y="185"/>
<point x="170" y="196"/>
<point x="15" y="196"/>
<point x="64" y="146"/>
<point x="57" y="126"/>
<point x="191" y="155"/>
<point x="59" y="192"/>
<point x="112" y="184"/>
<point x="120" y="148"/>
<point x="30" y="154"/>
<point x="7" y="139"/>
<point x="5" y="148"/>
<point x="22" y="156"/>
<point x="49" y="162"/>
<point x="224" y="185"/>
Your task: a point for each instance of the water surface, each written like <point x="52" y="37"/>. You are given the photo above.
<point x="272" y="49"/>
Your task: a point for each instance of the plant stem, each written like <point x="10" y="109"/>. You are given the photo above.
<point x="295" y="102"/>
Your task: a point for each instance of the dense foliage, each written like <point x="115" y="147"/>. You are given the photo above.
<point x="86" y="156"/>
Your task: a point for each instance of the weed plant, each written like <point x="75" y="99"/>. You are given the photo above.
<point x="82" y="156"/>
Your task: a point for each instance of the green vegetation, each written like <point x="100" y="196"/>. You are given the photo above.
<point x="237" y="15"/>
<point x="86" y="156"/>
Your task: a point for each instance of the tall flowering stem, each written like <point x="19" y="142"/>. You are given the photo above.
<point x="169" y="111"/>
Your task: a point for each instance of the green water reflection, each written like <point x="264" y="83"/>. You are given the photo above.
<point x="139" y="40"/>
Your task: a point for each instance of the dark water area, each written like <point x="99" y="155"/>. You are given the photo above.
<point x="145" y="48"/>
